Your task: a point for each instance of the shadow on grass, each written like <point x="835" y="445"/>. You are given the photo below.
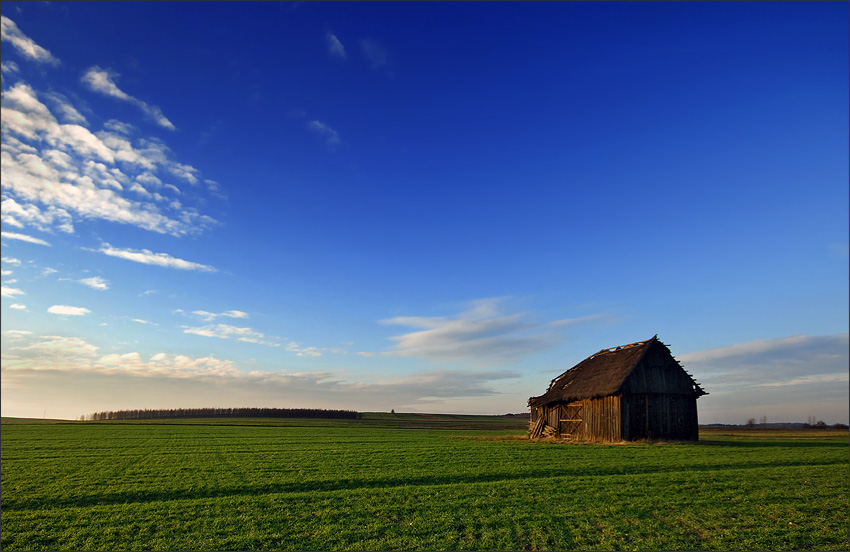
<point x="354" y="484"/>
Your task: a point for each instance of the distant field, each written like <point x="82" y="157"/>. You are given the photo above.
<point x="412" y="482"/>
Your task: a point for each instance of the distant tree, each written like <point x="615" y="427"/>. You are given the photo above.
<point x="840" y="426"/>
<point x="392" y="411"/>
<point x="751" y="422"/>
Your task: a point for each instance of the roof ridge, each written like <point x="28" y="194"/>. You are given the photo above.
<point x="623" y="347"/>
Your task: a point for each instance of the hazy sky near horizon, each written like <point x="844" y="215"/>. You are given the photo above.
<point x="430" y="207"/>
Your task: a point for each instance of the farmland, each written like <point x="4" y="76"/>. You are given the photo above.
<point x="412" y="482"/>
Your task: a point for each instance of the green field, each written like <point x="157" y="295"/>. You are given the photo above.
<point x="412" y="482"/>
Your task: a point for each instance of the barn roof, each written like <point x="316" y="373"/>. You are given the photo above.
<point x="601" y="374"/>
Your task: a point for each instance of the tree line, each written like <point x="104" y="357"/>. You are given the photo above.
<point x="169" y="413"/>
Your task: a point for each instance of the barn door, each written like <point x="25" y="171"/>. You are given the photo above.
<point x="571" y="420"/>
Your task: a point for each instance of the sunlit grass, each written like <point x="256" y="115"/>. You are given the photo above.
<point x="405" y="483"/>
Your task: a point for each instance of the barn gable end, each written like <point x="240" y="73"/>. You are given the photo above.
<point x="635" y="391"/>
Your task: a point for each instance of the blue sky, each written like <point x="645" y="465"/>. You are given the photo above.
<point x="431" y="207"/>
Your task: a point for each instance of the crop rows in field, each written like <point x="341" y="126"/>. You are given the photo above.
<point x="383" y="485"/>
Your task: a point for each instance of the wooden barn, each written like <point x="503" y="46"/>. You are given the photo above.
<point x="626" y="393"/>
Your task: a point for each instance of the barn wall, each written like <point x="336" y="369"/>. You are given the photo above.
<point x="600" y="419"/>
<point x="660" y="416"/>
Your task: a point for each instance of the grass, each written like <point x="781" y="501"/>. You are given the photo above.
<point x="413" y="482"/>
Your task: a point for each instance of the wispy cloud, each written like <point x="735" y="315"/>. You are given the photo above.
<point x="374" y="52"/>
<point x="9" y="67"/>
<point x="210" y="316"/>
<point x="9" y="32"/>
<point x="68" y="311"/>
<point x="103" y="81"/>
<point x="146" y="256"/>
<point x="327" y="133"/>
<point x="294" y="347"/>
<point x="795" y="360"/>
<point x="95" y="282"/>
<point x="23" y="237"/>
<point x="335" y="47"/>
<point x="67" y="111"/>
<point x="482" y="334"/>
<point x="787" y="379"/>
<point x="18" y="306"/>
<point x="226" y="331"/>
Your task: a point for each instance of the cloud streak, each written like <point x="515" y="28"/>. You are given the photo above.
<point x="773" y="361"/>
<point x="23" y="237"/>
<point x="335" y="47"/>
<point x="328" y="134"/>
<point x="375" y="53"/>
<point x="145" y="256"/>
<point x="103" y="81"/>
<point x="482" y="334"/>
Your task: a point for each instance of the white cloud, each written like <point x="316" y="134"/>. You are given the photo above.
<point x="72" y="172"/>
<point x="57" y="347"/>
<point x="11" y="261"/>
<point x="335" y="47"/>
<point x="325" y="131"/>
<point x="21" y="214"/>
<point x="54" y="366"/>
<point x="95" y="282"/>
<point x="146" y="256"/>
<point x="68" y="311"/>
<point x="10" y="292"/>
<point x="18" y="306"/>
<point x="102" y="81"/>
<point x="17" y="334"/>
<point x="23" y="237"/>
<point x="9" y="32"/>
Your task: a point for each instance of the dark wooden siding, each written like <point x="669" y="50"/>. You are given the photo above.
<point x="659" y="416"/>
